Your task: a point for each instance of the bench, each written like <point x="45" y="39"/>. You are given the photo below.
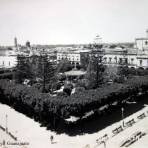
<point x="130" y="123"/>
<point x="141" y="116"/>
<point x="117" y="130"/>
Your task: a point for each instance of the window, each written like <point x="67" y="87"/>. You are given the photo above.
<point x="141" y="62"/>
<point x="146" y="42"/>
<point x="115" y="59"/>
<point x="132" y="60"/>
<point x="120" y="60"/>
<point x="126" y="61"/>
<point x="105" y="59"/>
<point x="110" y="59"/>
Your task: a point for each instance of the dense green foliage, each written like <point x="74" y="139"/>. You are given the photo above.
<point x="35" y="68"/>
<point x="84" y="60"/>
<point x="63" y="66"/>
<point x="95" y="72"/>
<point x="51" y="110"/>
<point x="126" y="71"/>
<point x="7" y="75"/>
<point x="23" y="69"/>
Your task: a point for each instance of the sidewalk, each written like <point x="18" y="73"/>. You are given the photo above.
<point x="38" y="137"/>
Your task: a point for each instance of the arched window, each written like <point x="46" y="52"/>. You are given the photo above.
<point x="105" y="59"/>
<point x="110" y="59"/>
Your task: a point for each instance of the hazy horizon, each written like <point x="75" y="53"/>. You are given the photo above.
<point x="52" y="22"/>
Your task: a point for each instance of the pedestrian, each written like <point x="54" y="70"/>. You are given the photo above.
<point x="51" y="139"/>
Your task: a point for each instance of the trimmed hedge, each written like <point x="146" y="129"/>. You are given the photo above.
<point x="52" y="110"/>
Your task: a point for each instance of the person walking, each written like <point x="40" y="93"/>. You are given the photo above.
<point x="51" y="139"/>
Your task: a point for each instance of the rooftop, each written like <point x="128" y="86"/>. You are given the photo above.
<point x="75" y="73"/>
<point x="143" y="38"/>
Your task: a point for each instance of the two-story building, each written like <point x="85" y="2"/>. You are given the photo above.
<point x="74" y="56"/>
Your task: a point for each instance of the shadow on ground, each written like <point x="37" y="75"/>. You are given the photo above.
<point x="98" y="122"/>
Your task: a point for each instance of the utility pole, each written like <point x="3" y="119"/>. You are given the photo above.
<point x="122" y="110"/>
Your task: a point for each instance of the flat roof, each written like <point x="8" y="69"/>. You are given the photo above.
<point x="75" y="73"/>
<point x="141" y="38"/>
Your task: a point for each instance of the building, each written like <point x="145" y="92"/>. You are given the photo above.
<point x="141" y="43"/>
<point x="136" y="56"/>
<point x="74" y="56"/>
<point x="8" y="60"/>
<point x="119" y="56"/>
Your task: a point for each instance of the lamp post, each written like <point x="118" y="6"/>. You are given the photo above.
<point x="104" y="142"/>
<point x="122" y="110"/>
<point x="6" y="123"/>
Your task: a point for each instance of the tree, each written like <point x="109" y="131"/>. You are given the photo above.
<point x="64" y="66"/>
<point x="84" y="60"/>
<point x="95" y="71"/>
<point x="110" y="73"/>
<point x="46" y="71"/>
<point x="23" y="69"/>
<point x="35" y="67"/>
<point x="90" y="76"/>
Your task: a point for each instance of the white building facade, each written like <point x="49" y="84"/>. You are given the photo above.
<point x="132" y="57"/>
<point x="141" y="43"/>
<point x="73" y="57"/>
<point x="8" y="59"/>
<point x="120" y="57"/>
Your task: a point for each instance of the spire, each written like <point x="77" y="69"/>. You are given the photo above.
<point x="15" y="42"/>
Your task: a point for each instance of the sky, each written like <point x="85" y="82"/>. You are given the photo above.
<point x="72" y="21"/>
